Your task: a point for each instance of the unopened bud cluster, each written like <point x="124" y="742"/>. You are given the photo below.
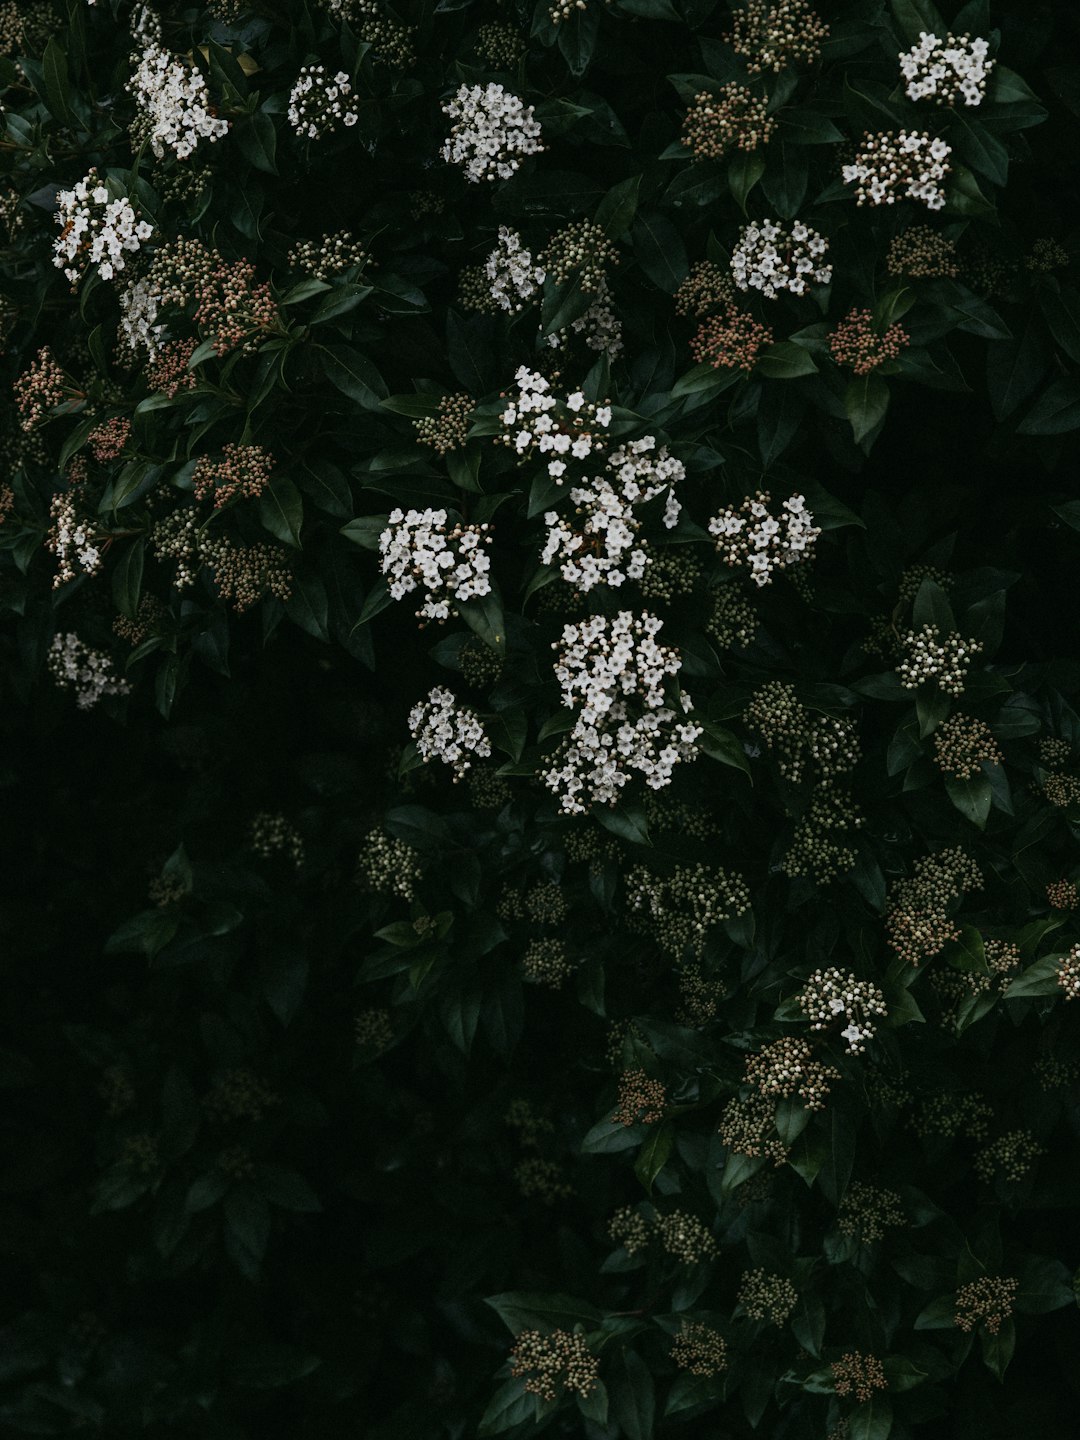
<point x="917" y="918"/>
<point x="867" y="1211"/>
<point x="699" y="1348"/>
<point x="919" y="253"/>
<point x="861" y="346"/>
<point x="240" y="472"/>
<point x="1009" y="1157"/>
<point x="706" y="288"/>
<point x="448" y="428"/>
<point x="816" y="848"/>
<point x="642" y="1099"/>
<point x="552" y="1363"/>
<point x="787" y="1067"/>
<point x="748" y="1127"/>
<point x="986" y="1302"/>
<point x="930" y="655"/>
<point x="328" y="256"/>
<point x="271" y="834"/>
<point x="767" y="1296"/>
<point x="1062" y="895"/>
<point x="733" y="622"/>
<point x="733" y="340"/>
<point x="733" y="118"/>
<point x="858" y="1375"/>
<point x="1068" y="973"/>
<point x="681" y="909"/>
<point x="582" y="251"/>
<point x="775" y="34"/>
<point x="963" y="744"/>
<point x="546" y="962"/>
<point x="41" y="387"/>
<point x="806" y="744"/>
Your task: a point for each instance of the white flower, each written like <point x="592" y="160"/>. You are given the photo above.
<point x="894" y="165"/>
<point x="770" y="260"/>
<point x="768" y="543"/>
<point x="173" y="103"/>
<point x="948" y="70"/>
<point x="492" y="132"/>
<point x="444" y="730"/>
<point x="95" y="230"/>
<point x="317" y="106"/>
<point x="88" y="672"/>
<point x="419" y="552"/>
<point x="515" y="280"/>
<point x="612" y="672"/>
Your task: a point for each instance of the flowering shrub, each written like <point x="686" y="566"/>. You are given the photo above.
<point x="539" y="646"/>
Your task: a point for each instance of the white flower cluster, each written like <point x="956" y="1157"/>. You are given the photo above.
<point x="95" y="230"/>
<point x="933" y="656"/>
<point x="492" y="132"/>
<point x="948" y="70"/>
<point x="515" y="279"/>
<point x="88" y="672"/>
<point x="833" y="994"/>
<point x="138" y="316"/>
<point x="173" y="104"/>
<point x="419" y="552"/>
<point x="70" y="540"/>
<point x="770" y="258"/>
<point x="603" y="549"/>
<point x="753" y="537"/>
<point x="537" y="420"/>
<point x="444" y="730"/>
<point x="599" y="325"/>
<point x="612" y="673"/>
<point x="897" y="164"/>
<point x="319" y="104"/>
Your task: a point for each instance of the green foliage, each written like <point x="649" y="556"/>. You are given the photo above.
<point x="341" y="1084"/>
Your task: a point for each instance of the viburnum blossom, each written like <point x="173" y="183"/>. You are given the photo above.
<point x="537" y="421"/>
<point x="173" y="104"/>
<point x="444" y="730"/>
<point x="96" y="229"/>
<point x="319" y="103"/>
<point x="491" y="134"/>
<point x="771" y="258"/>
<point x="89" y="672"/>
<point x="515" y="279"/>
<point x="948" y="70"/>
<point x="71" y="538"/>
<point x="419" y="552"/>
<point x="753" y="537"/>
<point x="612" y="673"/>
<point x="602" y="547"/>
<point x="901" y="164"/>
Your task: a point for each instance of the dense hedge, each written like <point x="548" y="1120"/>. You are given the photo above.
<point x="542" y="788"/>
